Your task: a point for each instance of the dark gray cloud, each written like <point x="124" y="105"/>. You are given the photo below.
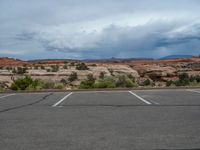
<point x="96" y="29"/>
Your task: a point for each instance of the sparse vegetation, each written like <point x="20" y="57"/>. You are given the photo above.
<point x="26" y="83"/>
<point x="81" y="66"/>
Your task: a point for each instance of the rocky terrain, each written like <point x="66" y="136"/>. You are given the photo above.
<point x="156" y="72"/>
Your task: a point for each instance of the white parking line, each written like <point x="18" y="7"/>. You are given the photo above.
<point x="193" y="91"/>
<point x="60" y="101"/>
<point x="6" y="95"/>
<point x="145" y="101"/>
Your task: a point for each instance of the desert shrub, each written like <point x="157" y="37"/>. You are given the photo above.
<point x="86" y="85"/>
<point x="72" y="77"/>
<point x="66" y="62"/>
<point x="1" y="68"/>
<point x="111" y="71"/>
<point x="197" y="78"/>
<point x="59" y="86"/>
<point x="81" y="66"/>
<point x="36" y="67"/>
<point x="146" y="82"/>
<point x="192" y="78"/>
<point x="63" y="81"/>
<point x="25" y="83"/>
<point x="102" y="74"/>
<point x="169" y="83"/>
<point x="55" y="68"/>
<point x="89" y="83"/>
<point x="65" y="67"/>
<point x="105" y="83"/>
<point x="8" y="68"/>
<point x="49" y="85"/>
<point x="72" y="64"/>
<point x="48" y="70"/>
<point x="90" y="78"/>
<point x="124" y="81"/>
<point x="184" y="80"/>
<point x="153" y="76"/>
<point x="93" y="65"/>
<point x="184" y="76"/>
<point x="131" y="77"/>
<point x="42" y="67"/>
<point x="20" y="70"/>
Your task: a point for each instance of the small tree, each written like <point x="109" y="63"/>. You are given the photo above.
<point x="73" y="76"/>
<point x="90" y="78"/>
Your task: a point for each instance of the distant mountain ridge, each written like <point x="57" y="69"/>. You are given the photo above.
<point x="176" y="56"/>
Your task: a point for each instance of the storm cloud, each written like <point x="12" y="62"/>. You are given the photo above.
<point x="99" y="29"/>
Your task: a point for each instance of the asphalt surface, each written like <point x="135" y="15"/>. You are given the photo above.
<point x="123" y="120"/>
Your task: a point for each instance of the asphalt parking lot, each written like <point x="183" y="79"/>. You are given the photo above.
<point x="100" y="120"/>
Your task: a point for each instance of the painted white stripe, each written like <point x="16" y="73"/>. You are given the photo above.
<point x="60" y="101"/>
<point x="7" y="95"/>
<point x="145" y="101"/>
<point x="194" y="91"/>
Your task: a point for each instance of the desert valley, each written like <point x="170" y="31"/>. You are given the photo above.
<point x="74" y="74"/>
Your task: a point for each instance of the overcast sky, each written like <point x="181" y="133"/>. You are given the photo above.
<point x="79" y="29"/>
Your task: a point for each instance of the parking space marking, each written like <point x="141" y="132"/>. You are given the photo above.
<point x="7" y="95"/>
<point x="60" y="101"/>
<point x="193" y="91"/>
<point x="145" y="101"/>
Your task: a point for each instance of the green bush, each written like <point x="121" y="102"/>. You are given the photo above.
<point x="86" y="85"/>
<point x="59" y="86"/>
<point x="26" y="83"/>
<point x="147" y="82"/>
<point x="81" y="66"/>
<point x="105" y="83"/>
<point x="124" y="81"/>
<point x="184" y="80"/>
<point x="49" y="85"/>
<point x="89" y="83"/>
